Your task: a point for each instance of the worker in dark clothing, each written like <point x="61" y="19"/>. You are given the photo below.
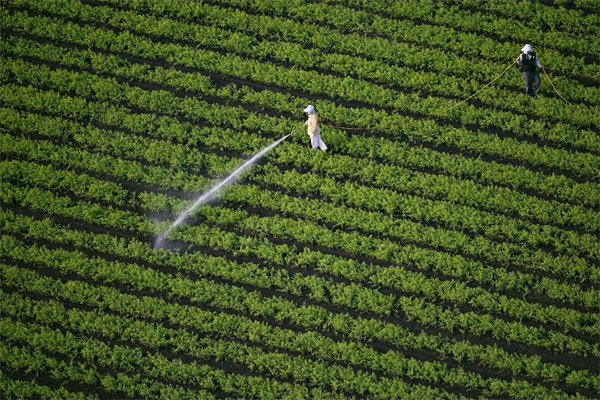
<point x="530" y="67"/>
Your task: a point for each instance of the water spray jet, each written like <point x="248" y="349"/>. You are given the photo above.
<point x="204" y="198"/>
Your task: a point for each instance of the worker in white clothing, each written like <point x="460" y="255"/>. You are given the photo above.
<point x="313" y="128"/>
<point x="530" y="67"/>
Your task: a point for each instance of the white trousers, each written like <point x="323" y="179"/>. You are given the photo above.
<point x="317" y="143"/>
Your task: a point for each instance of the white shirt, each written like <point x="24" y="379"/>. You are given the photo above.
<point x="313" y="125"/>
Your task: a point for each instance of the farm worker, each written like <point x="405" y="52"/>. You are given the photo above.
<point x="530" y="66"/>
<point x="313" y="128"/>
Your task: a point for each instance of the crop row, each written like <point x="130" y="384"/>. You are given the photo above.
<point x="415" y="183"/>
<point x="261" y="99"/>
<point x="296" y="368"/>
<point x="221" y="324"/>
<point x="515" y="30"/>
<point x="72" y="345"/>
<point x="348" y="219"/>
<point x="225" y="239"/>
<point x="385" y="305"/>
<point x="21" y="389"/>
<point x="504" y="254"/>
<point x="478" y="325"/>
<point x="154" y="153"/>
<point x="407" y="283"/>
<point x="421" y="205"/>
<point x="346" y="88"/>
<point x="182" y="286"/>
<point x="115" y="169"/>
<point x="560" y="15"/>
<point x="339" y="167"/>
<point x="422" y="131"/>
<point x="307" y="260"/>
<point x="164" y="153"/>
<point x="340" y="60"/>
<point x="507" y="203"/>
<point x="19" y="359"/>
<point x="120" y="221"/>
<point x="184" y="81"/>
<point x="180" y="342"/>
<point x="347" y="20"/>
<point x="107" y="166"/>
<point x="407" y="51"/>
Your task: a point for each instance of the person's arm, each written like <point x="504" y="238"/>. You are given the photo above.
<point x="537" y="63"/>
<point x="520" y="59"/>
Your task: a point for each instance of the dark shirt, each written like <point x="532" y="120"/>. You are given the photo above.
<point x="529" y="62"/>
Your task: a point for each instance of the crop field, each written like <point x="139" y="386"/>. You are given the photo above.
<point x="437" y="250"/>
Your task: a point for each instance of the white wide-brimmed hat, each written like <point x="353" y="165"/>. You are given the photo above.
<point x="527" y="48"/>
<point x="310" y="109"/>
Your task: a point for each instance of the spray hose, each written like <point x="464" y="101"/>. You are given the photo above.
<point x="350" y="128"/>
<point x="443" y="111"/>
<point x="477" y="92"/>
<point x="553" y="87"/>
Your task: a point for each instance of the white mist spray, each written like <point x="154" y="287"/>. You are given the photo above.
<point x="213" y="191"/>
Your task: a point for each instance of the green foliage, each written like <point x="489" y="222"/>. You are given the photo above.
<point x="426" y="255"/>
